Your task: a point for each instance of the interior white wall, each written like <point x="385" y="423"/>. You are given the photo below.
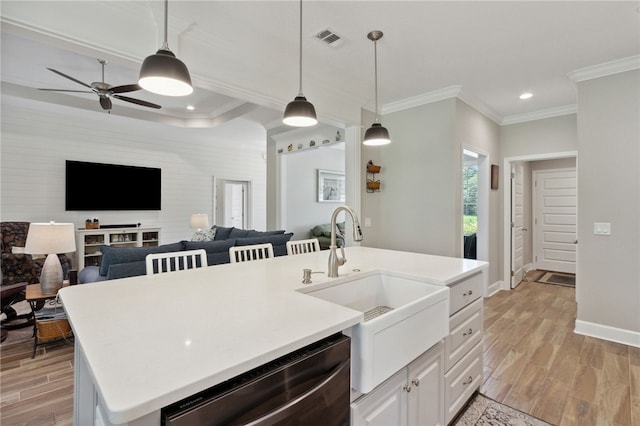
<point x="301" y="186"/>
<point x="608" y="287"/>
<point x="37" y="138"/>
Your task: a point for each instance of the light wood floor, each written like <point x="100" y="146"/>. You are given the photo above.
<point x="532" y="361"/>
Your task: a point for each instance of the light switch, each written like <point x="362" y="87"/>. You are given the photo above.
<point x="367" y="222"/>
<point x="600" y="228"/>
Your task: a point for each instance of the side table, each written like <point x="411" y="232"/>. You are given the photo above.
<point x="51" y="322"/>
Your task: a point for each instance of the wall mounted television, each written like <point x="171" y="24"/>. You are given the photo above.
<point x="99" y="186"/>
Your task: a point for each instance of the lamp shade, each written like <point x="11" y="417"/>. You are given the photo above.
<point x="376" y="135"/>
<point x="300" y="113"/>
<point x="48" y="238"/>
<point x="199" y="221"/>
<point x="164" y="74"/>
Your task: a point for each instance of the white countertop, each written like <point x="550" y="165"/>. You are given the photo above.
<point x="152" y="340"/>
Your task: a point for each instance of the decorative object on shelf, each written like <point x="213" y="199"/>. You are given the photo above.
<point x="300" y="112"/>
<point x="325" y="141"/>
<point x="376" y="134"/>
<point x="50" y="239"/>
<point x="338" y="136"/>
<point x="280" y="151"/>
<point x="299" y="146"/>
<point x="312" y="143"/>
<point x="93" y="223"/>
<point x="162" y="72"/>
<point x="290" y="147"/>
<point x="372" y="184"/>
<point x="331" y="187"/>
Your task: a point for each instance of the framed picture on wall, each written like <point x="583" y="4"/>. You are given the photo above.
<point x="331" y="187"/>
<point x="495" y="172"/>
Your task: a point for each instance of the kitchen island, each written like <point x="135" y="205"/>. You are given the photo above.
<point x="145" y="342"/>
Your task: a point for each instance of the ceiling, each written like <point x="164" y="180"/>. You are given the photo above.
<point x="243" y="55"/>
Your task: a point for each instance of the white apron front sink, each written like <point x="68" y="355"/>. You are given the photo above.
<point x="403" y="318"/>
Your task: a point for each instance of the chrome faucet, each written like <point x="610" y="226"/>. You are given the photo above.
<point x="334" y="260"/>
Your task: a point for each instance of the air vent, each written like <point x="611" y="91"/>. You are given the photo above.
<point x="329" y="37"/>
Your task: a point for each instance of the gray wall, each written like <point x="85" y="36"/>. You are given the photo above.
<point x="608" y="287"/>
<point x="37" y="138"/>
<point x="419" y="206"/>
<point x="557" y="134"/>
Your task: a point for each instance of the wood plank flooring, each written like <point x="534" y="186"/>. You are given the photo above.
<point x="532" y="361"/>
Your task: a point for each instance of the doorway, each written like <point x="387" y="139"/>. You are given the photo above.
<point x="232" y="203"/>
<point x="475" y="202"/>
<point x="511" y="246"/>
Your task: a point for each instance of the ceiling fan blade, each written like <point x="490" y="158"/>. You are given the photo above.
<point x="125" y="88"/>
<point x="64" y="90"/>
<point x="105" y="102"/>
<point x="69" y="77"/>
<point x="137" y="101"/>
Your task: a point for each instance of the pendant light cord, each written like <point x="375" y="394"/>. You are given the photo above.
<point x="300" y="56"/>
<point x="375" y="74"/>
<point x="165" y="46"/>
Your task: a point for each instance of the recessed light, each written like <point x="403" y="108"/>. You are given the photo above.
<point x="526" y="95"/>
<point x="190" y="107"/>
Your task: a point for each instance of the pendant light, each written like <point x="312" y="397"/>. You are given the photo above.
<point x="162" y="72"/>
<point x="376" y="134"/>
<point x="300" y="112"/>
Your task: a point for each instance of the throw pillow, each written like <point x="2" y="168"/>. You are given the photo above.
<point x="206" y="235"/>
<point x="222" y="233"/>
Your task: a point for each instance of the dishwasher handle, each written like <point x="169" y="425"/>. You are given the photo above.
<point x="282" y="411"/>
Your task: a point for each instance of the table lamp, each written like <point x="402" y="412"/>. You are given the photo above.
<point x="50" y="239"/>
<point x="199" y="221"/>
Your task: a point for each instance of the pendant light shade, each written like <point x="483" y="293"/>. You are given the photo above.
<point x="162" y="72"/>
<point x="300" y="112"/>
<point x="376" y="134"/>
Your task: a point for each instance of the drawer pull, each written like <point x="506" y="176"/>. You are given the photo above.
<point x="469" y="380"/>
<point x="468" y="293"/>
<point x="415" y="382"/>
<point x="406" y="388"/>
<point x="468" y="332"/>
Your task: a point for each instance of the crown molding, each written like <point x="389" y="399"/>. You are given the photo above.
<point x="539" y="115"/>
<point x="422" y="99"/>
<point x="477" y="104"/>
<point x="605" y="69"/>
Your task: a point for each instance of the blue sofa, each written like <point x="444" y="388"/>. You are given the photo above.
<point x="123" y="262"/>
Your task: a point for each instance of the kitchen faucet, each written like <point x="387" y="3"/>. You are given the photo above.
<point x="334" y="260"/>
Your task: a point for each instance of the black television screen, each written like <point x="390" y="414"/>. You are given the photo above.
<point x="98" y="186"/>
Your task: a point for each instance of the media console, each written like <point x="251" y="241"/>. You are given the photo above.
<point x="88" y="241"/>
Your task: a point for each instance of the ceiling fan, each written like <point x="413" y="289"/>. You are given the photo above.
<point x="105" y="91"/>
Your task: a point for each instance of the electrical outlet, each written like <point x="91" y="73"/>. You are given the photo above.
<point x="600" y="228"/>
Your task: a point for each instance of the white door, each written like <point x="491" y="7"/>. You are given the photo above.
<point x="232" y="203"/>
<point x="517" y="222"/>
<point x="555" y="208"/>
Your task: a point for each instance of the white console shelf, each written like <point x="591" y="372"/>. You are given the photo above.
<point x="88" y="241"/>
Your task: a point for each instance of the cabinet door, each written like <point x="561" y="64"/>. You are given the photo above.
<point x="385" y="405"/>
<point x="426" y="378"/>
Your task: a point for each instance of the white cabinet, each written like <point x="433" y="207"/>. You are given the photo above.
<point x="463" y="346"/>
<point x="412" y="396"/>
<point x="88" y="242"/>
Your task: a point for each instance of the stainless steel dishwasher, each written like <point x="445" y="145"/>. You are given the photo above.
<point x="310" y="386"/>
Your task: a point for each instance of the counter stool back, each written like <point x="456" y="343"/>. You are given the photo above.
<point x="303" y="246"/>
<point x="158" y="263"/>
<point x="251" y="252"/>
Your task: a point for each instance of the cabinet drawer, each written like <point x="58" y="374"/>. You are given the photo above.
<point x="464" y="292"/>
<point x="462" y="381"/>
<point x="465" y="332"/>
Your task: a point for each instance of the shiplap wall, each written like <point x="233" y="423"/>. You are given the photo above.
<point x="37" y="138"/>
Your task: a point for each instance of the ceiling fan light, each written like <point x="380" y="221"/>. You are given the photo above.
<point x="376" y="135"/>
<point x="164" y="74"/>
<point x="300" y="113"/>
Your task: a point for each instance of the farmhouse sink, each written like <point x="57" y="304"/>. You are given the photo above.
<point x="402" y="319"/>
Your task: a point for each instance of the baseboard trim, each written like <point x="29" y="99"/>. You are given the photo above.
<point x="612" y="334"/>
<point x="494" y="288"/>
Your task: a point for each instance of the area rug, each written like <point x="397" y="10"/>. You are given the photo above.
<point x="557" y="278"/>
<point x="483" y="411"/>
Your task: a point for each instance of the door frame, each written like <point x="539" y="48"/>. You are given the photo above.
<point x="218" y="200"/>
<point x="506" y="203"/>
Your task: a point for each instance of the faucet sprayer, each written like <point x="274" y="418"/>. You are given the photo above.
<point x="334" y="260"/>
